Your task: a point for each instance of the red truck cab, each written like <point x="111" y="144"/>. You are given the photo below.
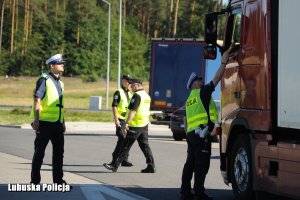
<point x="260" y="98"/>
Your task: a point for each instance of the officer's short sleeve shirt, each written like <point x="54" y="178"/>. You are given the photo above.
<point x="134" y="102"/>
<point x="117" y="98"/>
<point x="205" y="96"/>
<point x="40" y="90"/>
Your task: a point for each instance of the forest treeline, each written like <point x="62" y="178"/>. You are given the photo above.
<point x="33" y="30"/>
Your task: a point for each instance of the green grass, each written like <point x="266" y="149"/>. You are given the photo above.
<point x="21" y="116"/>
<point x="18" y="91"/>
<point x="13" y="117"/>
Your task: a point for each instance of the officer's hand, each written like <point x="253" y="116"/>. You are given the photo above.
<point x="117" y="122"/>
<point x="124" y="130"/>
<point x="225" y="56"/>
<point x="35" y="125"/>
<point x="125" y="127"/>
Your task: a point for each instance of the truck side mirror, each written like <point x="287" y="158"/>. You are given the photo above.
<point x="211" y="23"/>
<point x="210" y="52"/>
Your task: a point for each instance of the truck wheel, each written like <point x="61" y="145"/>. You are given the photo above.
<point x="241" y="169"/>
<point x="177" y="136"/>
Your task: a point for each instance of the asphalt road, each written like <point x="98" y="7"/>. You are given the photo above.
<point x="85" y="153"/>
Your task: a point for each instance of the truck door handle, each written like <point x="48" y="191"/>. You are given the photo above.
<point x="237" y="95"/>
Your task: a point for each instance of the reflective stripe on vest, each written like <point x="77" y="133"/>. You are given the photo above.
<point x="141" y="117"/>
<point x="49" y="109"/>
<point x="196" y="113"/>
<point x="123" y="104"/>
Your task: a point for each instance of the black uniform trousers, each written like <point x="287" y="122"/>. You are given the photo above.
<point x="53" y="131"/>
<point x="120" y="141"/>
<point x="141" y="135"/>
<point x="197" y="162"/>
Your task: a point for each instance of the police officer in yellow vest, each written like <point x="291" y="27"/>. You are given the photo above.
<point x="136" y="128"/>
<point x="48" y="114"/>
<point x="201" y="114"/>
<point x="119" y="106"/>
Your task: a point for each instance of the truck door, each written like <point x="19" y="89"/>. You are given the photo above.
<point x="253" y="69"/>
<point x="231" y="84"/>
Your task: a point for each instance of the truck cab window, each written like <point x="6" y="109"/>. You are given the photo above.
<point x="236" y="36"/>
<point x="233" y="35"/>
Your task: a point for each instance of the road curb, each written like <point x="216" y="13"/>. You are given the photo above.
<point x="11" y="126"/>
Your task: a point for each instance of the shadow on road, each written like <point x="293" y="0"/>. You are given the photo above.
<point x="215" y="157"/>
<point x="174" y="193"/>
<point x="75" y="194"/>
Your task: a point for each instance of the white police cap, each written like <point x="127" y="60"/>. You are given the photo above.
<point x="193" y="77"/>
<point x="55" y="59"/>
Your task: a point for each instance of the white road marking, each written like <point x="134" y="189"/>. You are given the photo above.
<point x="95" y="192"/>
<point x="92" y="192"/>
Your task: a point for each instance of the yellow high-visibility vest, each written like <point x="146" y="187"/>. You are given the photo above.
<point x="123" y="104"/>
<point x="50" y="105"/>
<point x="195" y="112"/>
<point x="141" y="117"/>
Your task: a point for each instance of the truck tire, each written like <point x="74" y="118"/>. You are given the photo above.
<point x="177" y="136"/>
<point x="241" y="169"/>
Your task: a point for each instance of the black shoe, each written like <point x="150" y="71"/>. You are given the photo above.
<point x="126" y="164"/>
<point x="148" y="169"/>
<point x="35" y="183"/>
<point x="203" y="196"/>
<point x="62" y="181"/>
<point x="189" y="196"/>
<point x="110" y="167"/>
<point x="111" y="163"/>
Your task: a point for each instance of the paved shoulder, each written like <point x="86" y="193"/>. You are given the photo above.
<point x="16" y="171"/>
